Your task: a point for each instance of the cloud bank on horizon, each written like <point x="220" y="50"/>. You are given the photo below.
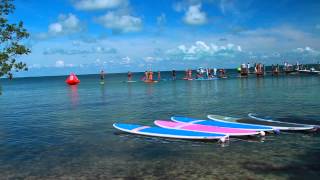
<point x="131" y="35"/>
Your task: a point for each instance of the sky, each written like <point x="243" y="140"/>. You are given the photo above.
<point x="85" y="36"/>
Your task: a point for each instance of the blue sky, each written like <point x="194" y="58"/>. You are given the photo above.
<point x="132" y="35"/>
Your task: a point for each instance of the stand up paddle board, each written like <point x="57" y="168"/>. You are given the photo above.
<point x="150" y="81"/>
<point x="167" y="133"/>
<point x="315" y="124"/>
<point x="206" y="79"/>
<point x="204" y="128"/>
<point x="275" y="125"/>
<point x="221" y="124"/>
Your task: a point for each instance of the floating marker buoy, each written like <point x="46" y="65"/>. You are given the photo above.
<point x="72" y="79"/>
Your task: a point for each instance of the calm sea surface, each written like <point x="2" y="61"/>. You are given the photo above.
<point x="49" y="130"/>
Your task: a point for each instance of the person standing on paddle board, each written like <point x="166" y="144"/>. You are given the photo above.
<point x="146" y="76"/>
<point x="101" y="75"/>
<point x="129" y="76"/>
<point x="150" y="76"/>
<point x="189" y="74"/>
<point x="174" y="74"/>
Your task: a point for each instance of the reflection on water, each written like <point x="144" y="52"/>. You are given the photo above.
<point x="150" y="88"/>
<point x="73" y="92"/>
<point x="103" y="91"/>
<point x="129" y="87"/>
<point x="260" y="83"/>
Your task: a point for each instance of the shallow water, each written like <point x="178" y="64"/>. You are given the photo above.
<point x="49" y="130"/>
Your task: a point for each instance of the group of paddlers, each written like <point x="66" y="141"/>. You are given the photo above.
<point x="206" y="73"/>
<point x="148" y="76"/>
<point x="200" y="73"/>
<point x="259" y="69"/>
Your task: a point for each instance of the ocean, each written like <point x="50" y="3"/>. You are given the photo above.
<point x="49" y="130"/>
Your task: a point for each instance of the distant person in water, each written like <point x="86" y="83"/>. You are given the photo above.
<point x="102" y="75"/>
<point x="129" y="76"/>
<point x="222" y="73"/>
<point x="189" y="74"/>
<point x="150" y="76"/>
<point x="10" y="76"/>
<point x="174" y="74"/>
<point x="159" y="76"/>
<point x="146" y="75"/>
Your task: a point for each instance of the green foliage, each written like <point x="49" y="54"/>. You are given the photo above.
<point x="11" y="36"/>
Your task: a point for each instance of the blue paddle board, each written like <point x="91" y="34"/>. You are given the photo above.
<point x="221" y="124"/>
<point x="167" y="133"/>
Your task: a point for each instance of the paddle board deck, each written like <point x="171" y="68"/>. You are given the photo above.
<point x="204" y="128"/>
<point x="275" y="125"/>
<point x="297" y="121"/>
<point x="221" y="124"/>
<point x="166" y="133"/>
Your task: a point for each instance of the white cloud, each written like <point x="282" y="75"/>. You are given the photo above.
<point x="201" y="50"/>
<point x="179" y="6"/>
<point x="55" y="28"/>
<point x="307" y="51"/>
<point x="34" y="66"/>
<point x="227" y="6"/>
<point x="59" y="63"/>
<point x="89" y="5"/>
<point x="284" y="31"/>
<point x="69" y="65"/>
<point x="85" y="50"/>
<point x="126" y="60"/>
<point x="120" y="23"/>
<point x="161" y="20"/>
<point x="194" y="16"/>
<point x="66" y="24"/>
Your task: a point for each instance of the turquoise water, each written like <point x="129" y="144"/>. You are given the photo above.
<point x="49" y="130"/>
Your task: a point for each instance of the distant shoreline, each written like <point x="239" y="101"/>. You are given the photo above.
<point x="317" y="66"/>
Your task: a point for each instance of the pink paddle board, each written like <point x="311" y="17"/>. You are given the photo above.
<point x="204" y="128"/>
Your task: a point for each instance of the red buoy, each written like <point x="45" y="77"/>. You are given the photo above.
<point x="72" y="79"/>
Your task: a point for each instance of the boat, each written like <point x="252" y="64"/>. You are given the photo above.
<point x="275" y="125"/>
